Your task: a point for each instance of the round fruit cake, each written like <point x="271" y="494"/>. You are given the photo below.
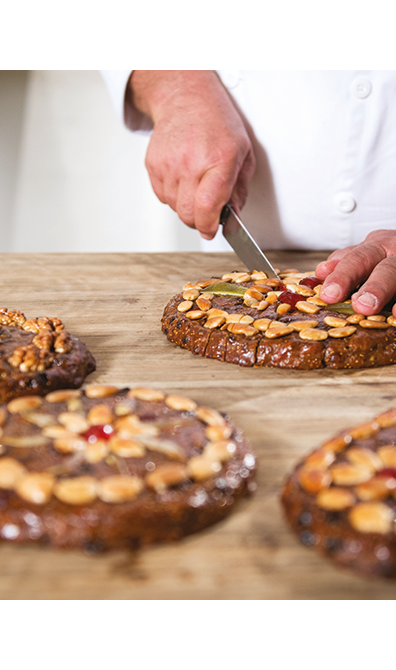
<point x="341" y="499"/>
<point x="250" y="320"/>
<point x="110" y="468"/>
<point x="38" y="356"/>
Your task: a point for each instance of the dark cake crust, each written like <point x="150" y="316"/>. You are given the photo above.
<point x="341" y="498"/>
<point x="164" y="469"/>
<point x="38" y="356"/>
<point x="364" y="348"/>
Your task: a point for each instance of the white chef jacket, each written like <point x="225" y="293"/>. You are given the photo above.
<point x="325" y="144"/>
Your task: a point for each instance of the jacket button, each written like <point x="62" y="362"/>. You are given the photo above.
<point x="344" y="202"/>
<point x="361" y="87"/>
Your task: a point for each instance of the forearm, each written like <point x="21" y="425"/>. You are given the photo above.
<point x="152" y="90"/>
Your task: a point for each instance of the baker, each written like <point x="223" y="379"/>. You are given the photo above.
<point x="316" y="148"/>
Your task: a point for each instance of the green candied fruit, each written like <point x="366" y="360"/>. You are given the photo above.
<point x="224" y="288"/>
<point x="346" y="308"/>
<point x="342" y="307"/>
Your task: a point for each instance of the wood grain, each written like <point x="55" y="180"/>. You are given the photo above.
<point x="114" y="303"/>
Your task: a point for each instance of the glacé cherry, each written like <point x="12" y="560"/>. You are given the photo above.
<point x="387" y="472"/>
<point x="95" y="433"/>
<point x="311" y="282"/>
<point x="290" y="298"/>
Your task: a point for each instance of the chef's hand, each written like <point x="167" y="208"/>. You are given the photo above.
<point x="199" y="155"/>
<point x="371" y="263"/>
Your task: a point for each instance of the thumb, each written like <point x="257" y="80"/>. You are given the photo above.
<point x="213" y="191"/>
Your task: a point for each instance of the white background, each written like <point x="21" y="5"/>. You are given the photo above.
<point x="72" y="177"/>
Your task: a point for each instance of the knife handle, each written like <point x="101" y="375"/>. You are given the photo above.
<point x="225" y="213"/>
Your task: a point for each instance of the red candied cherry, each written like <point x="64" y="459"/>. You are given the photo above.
<point x="95" y="433"/>
<point x="387" y="472"/>
<point x="311" y="282"/>
<point x="290" y="298"/>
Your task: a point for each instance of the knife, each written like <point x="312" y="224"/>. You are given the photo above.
<point x="238" y="236"/>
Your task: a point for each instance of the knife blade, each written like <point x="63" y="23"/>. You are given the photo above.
<point x="238" y="236"/>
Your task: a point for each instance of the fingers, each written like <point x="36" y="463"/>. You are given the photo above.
<point x="367" y="263"/>
<point x="355" y="266"/>
<point x="198" y="203"/>
<point x="378" y="290"/>
<point x="199" y="198"/>
<point x="326" y="267"/>
<point x="213" y="191"/>
<point x="178" y="195"/>
<point x="217" y="187"/>
<point x="240" y="190"/>
<point x="185" y="200"/>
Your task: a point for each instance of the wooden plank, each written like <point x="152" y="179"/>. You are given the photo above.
<point x="114" y="303"/>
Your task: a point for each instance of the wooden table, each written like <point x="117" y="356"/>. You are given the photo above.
<point x="114" y="303"/>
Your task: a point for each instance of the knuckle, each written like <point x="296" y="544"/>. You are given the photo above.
<point x="362" y="256"/>
<point x="185" y="213"/>
<point x="213" y="193"/>
<point x="338" y="254"/>
<point x="234" y="150"/>
<point x="388" y="266"/>
<point x="151" y="157"/>
<point x="230" y="152"/>
<point x="158" y="190"/>
<point x="241" y="194"/>
<point x="382" y="281"/>
<point x="381" y="234"/>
